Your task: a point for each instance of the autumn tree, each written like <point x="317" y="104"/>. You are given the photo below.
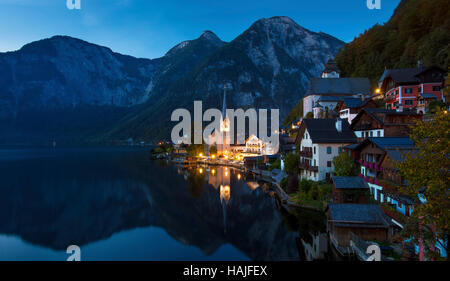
<point x="428" y="177"/>
<point x="344" y="166"/>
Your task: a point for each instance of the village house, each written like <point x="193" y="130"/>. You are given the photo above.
<point x="366" y="221"/>
<point x="378" y="169"/>
<point x="320" y="140"/>
<point x="378" y="122"/>
<point x="348" y="108"/>
<point x="323" y="94"/>
<point x="349" y="190"/>
<point x="403" y="86"/>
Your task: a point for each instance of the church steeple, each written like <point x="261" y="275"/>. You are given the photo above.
<point x="331" y="70"/>
<point x="224" y="104"/>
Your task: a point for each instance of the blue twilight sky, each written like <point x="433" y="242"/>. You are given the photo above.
<point x="149" y="28"/>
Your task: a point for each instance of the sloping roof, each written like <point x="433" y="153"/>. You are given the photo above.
<point x="433" y="67"/>
<point x="368" y="214"/>
<point x="393" y="142"/>
<point x="402" y="75"/>
<point x="379" y="114"/>
<point x="349" y="182"/>
<point x="351" y="146"/>
<point x="331" y="98"/>
<point x="398" y="154"/>
<point x="355" y="102"/>
<point x="387" y="143"/>
<point x="324" y="131"/>
<point x="428" y="96"/>
<point x="342" y="86"/>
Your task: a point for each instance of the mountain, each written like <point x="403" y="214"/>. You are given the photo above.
<point x="69" y="90"/>
<point x="66" y="89"/>
<point x="418" y="30"/>
<point x="268" y="66"/>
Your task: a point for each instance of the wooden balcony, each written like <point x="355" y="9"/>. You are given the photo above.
<point x="389" y="98"/>
<point x="306" y="153"/>
<point x="308" y="167"/>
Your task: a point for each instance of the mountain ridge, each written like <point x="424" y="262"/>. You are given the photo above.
<point x="269" y="65"/>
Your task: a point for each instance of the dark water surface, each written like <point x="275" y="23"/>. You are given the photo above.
<point x="116" y="204"/>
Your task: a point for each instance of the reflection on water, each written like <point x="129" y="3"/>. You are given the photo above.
<point x="116" y="204"/>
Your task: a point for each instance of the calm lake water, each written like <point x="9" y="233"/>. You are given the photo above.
<point x="116" y="204"/>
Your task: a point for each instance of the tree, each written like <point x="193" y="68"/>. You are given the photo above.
<point x="295" y="113"/>
<point x="309" y="115"/>
<point x="436" y="105"/>
<point x="428" y="177"/>
<point x="291" y="164"/>
<point x="344" y="166"/>
<point x="213" y="150"/>
<point x="194" y="150"/>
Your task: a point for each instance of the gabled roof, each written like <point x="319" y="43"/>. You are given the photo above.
<point x="401" y="75"/>
<point x="407" y="75"/>
<point x="388" y="143"/>
<point x="393" y="142"/>
<point x="426" y="69"/>
<point x="341" y="86"/>
<point x="349" y="182"/>
<point x="325" y="131"/>
<point x="379" y="114"/>
<point x="346" y="215"/>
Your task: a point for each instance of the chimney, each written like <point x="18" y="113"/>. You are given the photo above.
<point x="339" y="125"/>
<point x="419" y="64"/>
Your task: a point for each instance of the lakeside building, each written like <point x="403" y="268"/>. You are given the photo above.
<point x="323" y="94"/>
<point x="377" y="157"/>
<point x="349" y="190"/>
<point x="403" y="87"/>
<point x="378" y="122"/>
<point x="320" y="140"/>
<point x="366" y="221"/>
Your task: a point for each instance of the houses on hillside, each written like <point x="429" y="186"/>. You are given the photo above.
<point x="378" y="158"/>
<point x="404" y="88"/>
<point x="348" y="119"/>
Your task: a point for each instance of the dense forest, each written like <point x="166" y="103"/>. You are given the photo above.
<point x="418" y="30"/>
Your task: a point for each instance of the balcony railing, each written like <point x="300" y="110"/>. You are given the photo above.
<point x="389" y="98"/>
<point x="306" y="153"/>
<point x="308" y="167"/>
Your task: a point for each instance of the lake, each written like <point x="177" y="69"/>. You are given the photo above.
<point x="117" y="204"/>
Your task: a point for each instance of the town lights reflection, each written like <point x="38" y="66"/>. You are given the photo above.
<point x="225" y="193"/>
